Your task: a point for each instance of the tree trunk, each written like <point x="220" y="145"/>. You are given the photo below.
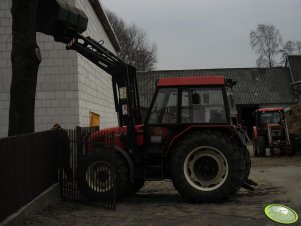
<point x="25" y="57"/>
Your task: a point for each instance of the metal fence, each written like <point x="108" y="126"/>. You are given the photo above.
<point x="28" y="166"/>
<point x="88" y="167"/>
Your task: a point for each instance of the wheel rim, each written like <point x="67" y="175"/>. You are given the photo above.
<point x="206" y="168"/>
<point x="99" y="176"/>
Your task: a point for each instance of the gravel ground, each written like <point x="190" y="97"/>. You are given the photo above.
<point x="158" y="203"/>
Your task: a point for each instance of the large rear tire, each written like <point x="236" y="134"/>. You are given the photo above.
<point x="247" y="159"/>
<point x="247" y="165"/>
<point x="207" y="167"/>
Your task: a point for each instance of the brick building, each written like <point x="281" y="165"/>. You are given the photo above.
<point x="69" y="87"/>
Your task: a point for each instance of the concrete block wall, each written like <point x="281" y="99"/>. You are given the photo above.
<point x="69" y="87"/>
<point x="5" y="63"/>
<point x="57" y="86"/>
<point x="95" y="86"/>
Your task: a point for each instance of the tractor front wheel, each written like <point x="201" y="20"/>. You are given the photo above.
<point x="255" y="147"/>
<point x="261" y="150"/>
<point x="207" y="167"/>
<point x="293" y="143"/>
<point x="124" y="186"/>
<point x="96" y="178"/>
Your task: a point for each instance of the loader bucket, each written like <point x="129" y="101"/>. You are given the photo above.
<point x="60" y="19"/>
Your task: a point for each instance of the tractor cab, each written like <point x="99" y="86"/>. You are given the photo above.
<point x="181" y="106"/>
<point x="271" y="132"/>
<point x="178" y="101"/>
<point x="267" y="116"/>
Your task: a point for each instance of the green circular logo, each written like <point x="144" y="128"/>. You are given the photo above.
<point x="281" y="214"/>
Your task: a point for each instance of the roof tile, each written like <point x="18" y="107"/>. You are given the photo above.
<point x="254" y="85"/>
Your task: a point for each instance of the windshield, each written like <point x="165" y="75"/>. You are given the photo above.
<point x="271" y="117"/>
<point x="165" y="107"/>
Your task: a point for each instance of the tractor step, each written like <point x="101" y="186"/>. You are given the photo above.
<point x="153" y="164"/>
<point x="153" y="172"/>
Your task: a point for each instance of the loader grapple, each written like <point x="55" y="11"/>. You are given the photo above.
<point x="60" y="20"/>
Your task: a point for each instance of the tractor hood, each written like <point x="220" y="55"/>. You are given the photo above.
<point x="120" y="135"/>
<point x="122" y="129"/>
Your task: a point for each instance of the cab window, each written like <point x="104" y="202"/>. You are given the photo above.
<point x="203" y="105"/>
<point x="165" y="107"/>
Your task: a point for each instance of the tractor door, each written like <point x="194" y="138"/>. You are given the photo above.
<point x="204" y="106"/>
<point x="160" y="126"/>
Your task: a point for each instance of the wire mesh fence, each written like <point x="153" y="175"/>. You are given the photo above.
<point x="88" y="166"/>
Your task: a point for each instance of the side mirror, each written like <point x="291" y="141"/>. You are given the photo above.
<point x="60" y="19"/>
<point x="196" y="99"/>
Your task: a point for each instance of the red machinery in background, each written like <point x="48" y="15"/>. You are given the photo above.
<point x="271" y="132"/>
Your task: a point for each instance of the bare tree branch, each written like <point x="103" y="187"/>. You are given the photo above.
<point x="135" y="48"/>
<point x="290" y="48"/>
<point x="266" y="41"/>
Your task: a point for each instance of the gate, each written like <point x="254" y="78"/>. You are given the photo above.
<point x="87" y="170"/>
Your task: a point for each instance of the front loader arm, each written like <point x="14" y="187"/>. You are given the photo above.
<point x="98" y="54"/>
<point x="124" y="83"/>
<point x="66" y="23"/>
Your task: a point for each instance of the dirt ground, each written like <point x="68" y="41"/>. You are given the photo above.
<point x="158" y="203"/>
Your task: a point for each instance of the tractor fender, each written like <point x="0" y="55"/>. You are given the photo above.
<point x="129" y="161"/>
<point x="255" y="133"/>
<point x="226" y="129"/>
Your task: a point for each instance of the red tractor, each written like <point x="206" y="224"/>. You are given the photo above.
<point x="271" y="132"/>
<point x="188" y="135"/>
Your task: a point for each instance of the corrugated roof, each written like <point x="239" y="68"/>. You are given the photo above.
<point x="254" y="85"/>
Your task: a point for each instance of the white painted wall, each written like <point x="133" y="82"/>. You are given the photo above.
<point x="57" y="86"/>
<point x="95" y="86"/>
<point x="5" y="63"/>
<point x="68" y="87"/>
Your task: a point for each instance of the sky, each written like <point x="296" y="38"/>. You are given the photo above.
<point x="200" y="34"/>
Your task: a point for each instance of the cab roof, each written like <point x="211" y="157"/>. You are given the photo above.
<point x="270" y="109"/>
<point x="192" y="81"/>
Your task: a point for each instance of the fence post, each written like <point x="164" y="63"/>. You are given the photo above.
<point x="79" y="144"/>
